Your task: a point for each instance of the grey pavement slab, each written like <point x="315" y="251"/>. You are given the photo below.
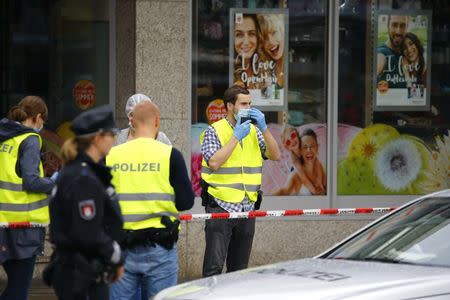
<point x="38" y="291"/>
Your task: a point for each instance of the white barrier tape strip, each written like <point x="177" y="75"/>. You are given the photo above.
<point x="21" y="225"/>
<point x="250" y="214"/>
<point x="287" y="213"/>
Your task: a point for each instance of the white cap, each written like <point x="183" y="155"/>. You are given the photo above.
<point x="135" y="99"/>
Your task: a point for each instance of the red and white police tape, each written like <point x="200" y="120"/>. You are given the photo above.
<point x="251" y="214"/>
<point x="286" y="213"/>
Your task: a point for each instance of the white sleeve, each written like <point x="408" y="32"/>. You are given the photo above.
<point x="115" y="257"/>
<point x="162" y="137"/>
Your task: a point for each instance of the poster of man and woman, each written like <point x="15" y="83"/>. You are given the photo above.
<point x="258" y="47"/>
<point x="402" y="60"/>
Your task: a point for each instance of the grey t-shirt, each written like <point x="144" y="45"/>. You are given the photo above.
<point x="122" y="137"/>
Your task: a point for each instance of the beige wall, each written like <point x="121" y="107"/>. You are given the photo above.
<point x="275" y="240"/>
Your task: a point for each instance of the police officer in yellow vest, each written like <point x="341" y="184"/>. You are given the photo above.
<point x="233" y="150"/>
<point x="153" y="186"/>
<point x="23" y="194"/>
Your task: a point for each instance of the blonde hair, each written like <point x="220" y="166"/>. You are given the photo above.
<point x="268" y="22"/>
<point x="288" y="129"/>
<point x="73" y="146"/>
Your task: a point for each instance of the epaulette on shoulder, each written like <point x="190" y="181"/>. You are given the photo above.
<point x="84" y="169"/>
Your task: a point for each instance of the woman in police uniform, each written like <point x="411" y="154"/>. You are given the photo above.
<point x="85" y="218"/>
<point x="23" y="193"/>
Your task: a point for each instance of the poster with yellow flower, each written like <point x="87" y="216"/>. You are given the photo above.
<point x="382" y="161"/>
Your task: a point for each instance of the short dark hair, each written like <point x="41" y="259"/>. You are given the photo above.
<point x="309" y="132"/>
<point x="232" y="93"/>
<point x="389" y="20"/>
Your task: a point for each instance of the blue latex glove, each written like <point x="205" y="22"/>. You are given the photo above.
<point x="259" y="117"/>
<point x="54" y="176"/>
<point x="241" y="130"/>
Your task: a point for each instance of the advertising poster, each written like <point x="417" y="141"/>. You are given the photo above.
<point x="301" y="170"/>
<point x="258" y="51"/>
<point x="380" y="160"/>
<point x="402" y="61"/>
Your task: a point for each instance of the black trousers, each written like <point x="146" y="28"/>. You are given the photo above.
<point x="229" y="239"/>
<point x="19" y="273"/>
<point x="68" y="285"/>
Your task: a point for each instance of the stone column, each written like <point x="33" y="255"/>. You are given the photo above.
<point x="163" y="64"/>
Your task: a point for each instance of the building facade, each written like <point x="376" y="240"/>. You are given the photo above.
<point x="369" y="78"/>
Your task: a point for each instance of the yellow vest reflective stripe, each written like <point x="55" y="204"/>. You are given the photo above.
<point x="147" y="196"/>
<point x="241" y="174"/>
<point x="16" y="204"/>
<point x="141" y="170"/>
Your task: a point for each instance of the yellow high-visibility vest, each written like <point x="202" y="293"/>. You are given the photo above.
<point x="141" y="170"/>
<point x="241" y="174"/>
<point x="16" y="204"/>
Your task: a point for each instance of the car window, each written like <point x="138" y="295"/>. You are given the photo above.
<point x="417" y="234"/>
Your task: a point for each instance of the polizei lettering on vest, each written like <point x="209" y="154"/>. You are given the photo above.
<point x="137" y="167"/>
<point x="6" y="148"/>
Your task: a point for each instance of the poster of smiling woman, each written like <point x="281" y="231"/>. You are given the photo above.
<point x="402" y="61"/>
<point x="258" y="50"/>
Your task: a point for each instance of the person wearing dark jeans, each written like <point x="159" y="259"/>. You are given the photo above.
<point x="19" y="272"/>
<point x="23" y="193"/>
<point x="232" y="236"/>
<point x="233" y="150"/>
<point x="151" y="193"/>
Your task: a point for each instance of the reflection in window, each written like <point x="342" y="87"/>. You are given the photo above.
<point x="58" y="50"/>
<point x="416" y="235"/>
<point x="305" y="55"/>
<point x="398" y="150"/>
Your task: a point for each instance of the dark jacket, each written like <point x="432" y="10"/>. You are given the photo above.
<point x="179" y="180"/>
<point x="85" y="215"/>
<point x="24" y="243"/>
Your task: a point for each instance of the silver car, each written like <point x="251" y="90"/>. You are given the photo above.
<point x="402" y="255"/>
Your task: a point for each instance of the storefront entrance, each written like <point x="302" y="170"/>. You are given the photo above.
<point x="60" y="51"/>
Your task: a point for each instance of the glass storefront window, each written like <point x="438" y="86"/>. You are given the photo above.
<point x="305" y="111"/>
<point x="58" y="50"/>
<point x="393" y="108"/>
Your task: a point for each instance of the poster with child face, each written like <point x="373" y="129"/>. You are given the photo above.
<point x="258" y="50"/>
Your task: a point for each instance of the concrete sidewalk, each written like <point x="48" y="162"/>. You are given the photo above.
<point x="38" y="291"/>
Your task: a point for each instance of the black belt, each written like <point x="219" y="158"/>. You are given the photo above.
<point x="151" y="236"/>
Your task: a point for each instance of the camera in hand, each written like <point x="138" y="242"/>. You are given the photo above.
<point x="244" y="114"/>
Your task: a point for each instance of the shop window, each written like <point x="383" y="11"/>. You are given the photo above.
<point x="304" y="87"/>
<point x="393" y="97"/>
<point x="58" y="50"/>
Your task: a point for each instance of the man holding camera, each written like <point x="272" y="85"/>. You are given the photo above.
<point x="152" y="184"/>
<point x="233" y="151"/>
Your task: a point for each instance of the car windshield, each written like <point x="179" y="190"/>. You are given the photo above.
<point x="417" y="234"/>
